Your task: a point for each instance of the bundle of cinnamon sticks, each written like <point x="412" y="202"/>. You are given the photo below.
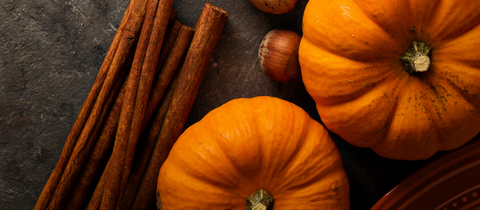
<point x="135" y="110"/>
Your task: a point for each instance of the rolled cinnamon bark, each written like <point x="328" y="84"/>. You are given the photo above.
<point x="91" y="110"/>
<point x="207" y="33"/>
<point x="160" y="85"/>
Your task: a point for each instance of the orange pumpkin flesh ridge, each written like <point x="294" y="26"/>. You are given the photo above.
<point x="249" y="144"/>
<point x="350" y="56"/>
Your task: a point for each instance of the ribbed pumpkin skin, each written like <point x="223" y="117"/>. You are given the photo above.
<point x="248" y="144"/>
<point x="350" y="60"/>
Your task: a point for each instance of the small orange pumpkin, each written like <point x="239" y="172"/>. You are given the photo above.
<point x="400" y="77"/>
<point x="259" y="147"/>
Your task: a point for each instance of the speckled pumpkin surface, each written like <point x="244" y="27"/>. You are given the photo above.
<point x="351" y="59"/>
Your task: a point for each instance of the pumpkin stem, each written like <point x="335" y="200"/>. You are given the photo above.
<point x="260" y="200"/>
<point x="417" y="59"/>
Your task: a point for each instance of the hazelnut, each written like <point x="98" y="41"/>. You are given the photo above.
<point x="278" y="55"/>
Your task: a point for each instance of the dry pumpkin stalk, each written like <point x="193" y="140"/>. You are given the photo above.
<point x="91" y="109"/>
<point x="208" y="30"/>
<point x="167" y="71"/>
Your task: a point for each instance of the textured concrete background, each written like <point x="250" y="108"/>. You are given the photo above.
<point x="50" y="54"/>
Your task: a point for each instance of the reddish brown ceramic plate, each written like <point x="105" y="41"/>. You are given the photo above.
<point x="449" y="182"/>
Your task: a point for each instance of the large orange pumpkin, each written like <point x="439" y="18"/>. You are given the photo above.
<point x="399" y="76"/>
<point x="264" y="145"/>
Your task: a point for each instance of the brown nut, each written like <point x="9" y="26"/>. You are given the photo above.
<point x="278" y="55"/>
<point x="274" y="6"/>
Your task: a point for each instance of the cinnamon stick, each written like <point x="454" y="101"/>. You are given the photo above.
<point x="133" y="27"/>
<point x="96" y="199"/>
<point x="164" y="80"/>
<point x="208" y="30"/>
<point x="109" y="136"/>
<point x="135" y="100"/>
<point x="97" y="158"/>
<point x="148" y="74"/>
<point x="112" y="63"/>
<point x="145" y="147"/>
<point x="126" y="45"/>
<point x="170" y="36"/>
<point x="81" y="151"/>
<point x="166" y="71"/>
<point x="173" y="14"/>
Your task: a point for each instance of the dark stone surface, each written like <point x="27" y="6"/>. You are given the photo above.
<point x="50" y="54"/>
